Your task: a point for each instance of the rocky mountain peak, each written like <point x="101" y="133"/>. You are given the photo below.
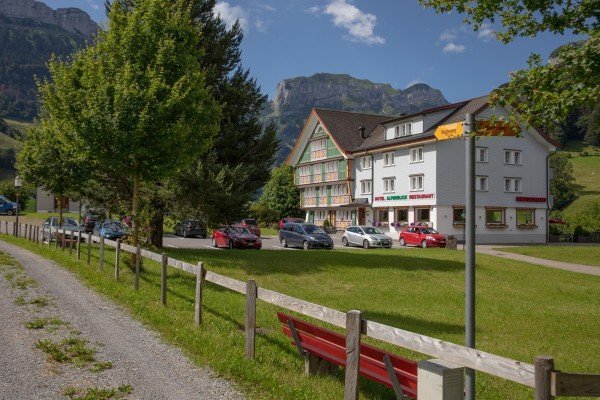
<point x="70" y="19"/>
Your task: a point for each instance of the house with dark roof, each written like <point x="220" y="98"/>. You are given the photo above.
<point x="391" y="172"/>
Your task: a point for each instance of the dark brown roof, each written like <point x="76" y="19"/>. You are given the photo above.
<point x="343" y="126"/>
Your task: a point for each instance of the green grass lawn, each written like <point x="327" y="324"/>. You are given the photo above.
<point x="588" y="255"/>
<point x="586" y="171"/>
<point x="522" y="310"/>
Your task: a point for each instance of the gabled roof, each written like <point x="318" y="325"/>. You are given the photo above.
<point x="343" y="126"/>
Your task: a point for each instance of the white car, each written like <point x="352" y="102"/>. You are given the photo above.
<point x="365" y="236"/>
<point x="50" y="225"/>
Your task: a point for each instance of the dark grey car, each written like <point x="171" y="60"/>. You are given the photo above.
<point x="306" y="236"/>
<point x="190" y="228"/>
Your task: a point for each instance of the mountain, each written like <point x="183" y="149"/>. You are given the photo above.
<point x="30" y="33"/>
<point x="295" y="97"/>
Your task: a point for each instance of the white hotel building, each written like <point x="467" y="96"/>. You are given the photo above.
<point x="354" y="168"/>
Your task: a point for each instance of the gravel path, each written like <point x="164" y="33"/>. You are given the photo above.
<point x="154" y="370"/>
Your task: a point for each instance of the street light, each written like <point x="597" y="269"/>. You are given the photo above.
<point x="18" y="185"/>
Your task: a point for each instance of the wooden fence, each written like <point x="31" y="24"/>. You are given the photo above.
<point x="541" y="375"/>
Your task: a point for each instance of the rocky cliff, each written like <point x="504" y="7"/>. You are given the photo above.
<point x="72" y="20"/>
<point x="295" y="97"/>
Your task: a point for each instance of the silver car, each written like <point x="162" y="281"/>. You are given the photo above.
<point x="365" y="236"/>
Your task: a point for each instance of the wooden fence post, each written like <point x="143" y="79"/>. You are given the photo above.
<point x="250" y="318"/>
<point x="79" y="245"/>
<point x="6" y="226"/>
<point x="31" y="233"/>
<point x="117" y="259"/>
<point x="28" y="232"/>
<point x="71" y="243"/>
<point x="136" y="282"/>
<point x="353" y="325"/>
<point x="101" y="254"/>
<point x="63" y="242"/>
<point x="89" y="248"/>
<point x="56" y="238"/>
<point x="163" y="280"/>
<point x="200" y="274"/>
<point x="544" y="365"/>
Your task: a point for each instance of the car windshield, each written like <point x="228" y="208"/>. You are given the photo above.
<point x="429" y="231"/>
<point x="113" y="226"/>
<point x="310" y="229"/>
<point x="70" y="222"/>
<point x="250" y="222"/>
<point x="372" y="231"/>
<point x="240" y="229"/>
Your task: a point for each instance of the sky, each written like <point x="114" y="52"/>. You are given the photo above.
<point x="385" y="41"/>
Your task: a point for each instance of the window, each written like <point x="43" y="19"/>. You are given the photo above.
<point x="365" y="162"/>
<point x="304" y="170"/>
<point x="481" y="183"/>
<point x="495" y="216"/>
<point x="525" y="217"/>
<point x="365" y="187"/>
<point x="481" y="154"/>
<point x="320" y="144"/>
<point x="416" y="154"/>
<point x="320" y="215"/>
<point x="343" y="215"/>
<point x="331" y="166"/>
<point x="416" y="183"/>
<point x="402" y="130"/>
<point x="512" y="157"/>
<point x="458" y="215"/>
<point x="402" y="215"/>
<point x="397" y="131"/>
<point x="388" y="159"/>
<point x="340" y="190"/>
<point x="388" y="185"/>
<point x="310" y="192"/>
<point x="512" y="185"/>
<point x="383" y="215"/>
<point x="422" y="214"/>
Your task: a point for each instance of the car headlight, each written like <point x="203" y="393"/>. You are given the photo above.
<point x="429" y="238"/>
<point x="373" y="238"/>
<point x="312" y="238"/>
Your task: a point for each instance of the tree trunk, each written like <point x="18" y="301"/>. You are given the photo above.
<point x="156" y="225"/>
<point x="136" y="210"/>
<point x="60" y="210"/>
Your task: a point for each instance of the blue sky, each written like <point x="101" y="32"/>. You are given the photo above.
<point x="386" y="41"/>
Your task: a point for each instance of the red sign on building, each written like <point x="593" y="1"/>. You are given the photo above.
<point x="531" y="199"/>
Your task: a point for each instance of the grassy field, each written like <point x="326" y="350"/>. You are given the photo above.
<point x="588" y="255"/>
<point x="586" y="170"/>
<point x="522" y="310"/>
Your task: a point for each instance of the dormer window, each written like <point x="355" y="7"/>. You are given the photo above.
<point x="403" y="130"/>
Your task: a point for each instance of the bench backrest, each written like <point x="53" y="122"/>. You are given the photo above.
<point x="332" y="347"/>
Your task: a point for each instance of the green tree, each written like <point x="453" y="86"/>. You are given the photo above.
<point x="545" y="93"/>
<point x="136" y="100"/>
<point x="561" y="185"/>
<point x="281" y="194"/>
<point x="8" y="190"/>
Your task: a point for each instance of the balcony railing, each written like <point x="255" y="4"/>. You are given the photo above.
<point x="323" y="177"/>
<point x="325" y="201"/>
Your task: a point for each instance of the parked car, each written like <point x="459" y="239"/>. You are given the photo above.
<point x="286" y="220"/>
<point x="307" y="236"/>
<point x="111" y="229"/>
<point x="422" y="236"/>
<point x="89" y="219"/>
<point x="189" y="228"/>
<point x="365" y="236"/>
<point x="235" y="237"/>
<point x="8" y="207"/>
<point x="249" y="224"/>
<point x="69" y="224"/>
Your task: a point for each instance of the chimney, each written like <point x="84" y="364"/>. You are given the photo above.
<point x="362" y="132"/>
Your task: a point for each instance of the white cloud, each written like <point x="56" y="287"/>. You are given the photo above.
<point x="485" y="32"/>
<point x="360" y="25"/>
<point x="447" y="36"/>
<point x="414" y="82"/>
<point x="314" y="10"/>
<point x="260" y="26"/>
<point x="454" y="48"/>
<point x="93" y="5"/>
<point x="266" y="7"/>
<point x="229" y="14"/>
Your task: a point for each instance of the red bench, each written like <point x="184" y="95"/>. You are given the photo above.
<point x="323" y="349"/>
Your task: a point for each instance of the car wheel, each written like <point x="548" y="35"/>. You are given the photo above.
<point x="366" y="244"/>
<point x="230" y="244"/>
<point x="9" y="212"/>
<point x="402" y="242"/>
<point x="305" y="245"/>
<point x="424" y="244"/>
<point x="284" y="242"/>
<point x="214" y="242"/>
<point x="345" y="241"/>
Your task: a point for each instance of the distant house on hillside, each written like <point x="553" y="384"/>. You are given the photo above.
<point x="47" y="202"/>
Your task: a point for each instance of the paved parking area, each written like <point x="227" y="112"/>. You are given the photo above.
<point x="269" y="243"/>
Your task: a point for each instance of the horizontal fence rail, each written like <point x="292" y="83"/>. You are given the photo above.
<point x="563" y="384"/>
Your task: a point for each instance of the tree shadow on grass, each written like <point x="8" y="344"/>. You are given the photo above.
<point x="426" y="327"/>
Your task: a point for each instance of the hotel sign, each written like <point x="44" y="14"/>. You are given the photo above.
<point x="449" y="131"/>
<point x="484" y="128"/>
<point x="405" y="197"/>
<point x="531" y="199"/>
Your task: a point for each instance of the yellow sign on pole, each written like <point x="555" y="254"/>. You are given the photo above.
<point x="449" y="131"/>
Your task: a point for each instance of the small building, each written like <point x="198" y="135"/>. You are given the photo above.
<point x="354" y="168"/>
<point x="47" y="202"/>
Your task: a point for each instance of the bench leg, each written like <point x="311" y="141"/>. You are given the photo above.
<point x="316" y="365"/>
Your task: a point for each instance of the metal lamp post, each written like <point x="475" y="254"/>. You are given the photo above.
<point x="18" y="185"/>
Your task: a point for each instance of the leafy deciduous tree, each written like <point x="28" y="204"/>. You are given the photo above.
<point x="561" y="185"/>
<point x="281" y="195"/>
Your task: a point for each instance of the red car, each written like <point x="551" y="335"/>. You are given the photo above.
<point x="422" y="236"/>
<point x="288" y="220"/>
<point x="249" y="224"/>
<point x="235" y="237"/>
